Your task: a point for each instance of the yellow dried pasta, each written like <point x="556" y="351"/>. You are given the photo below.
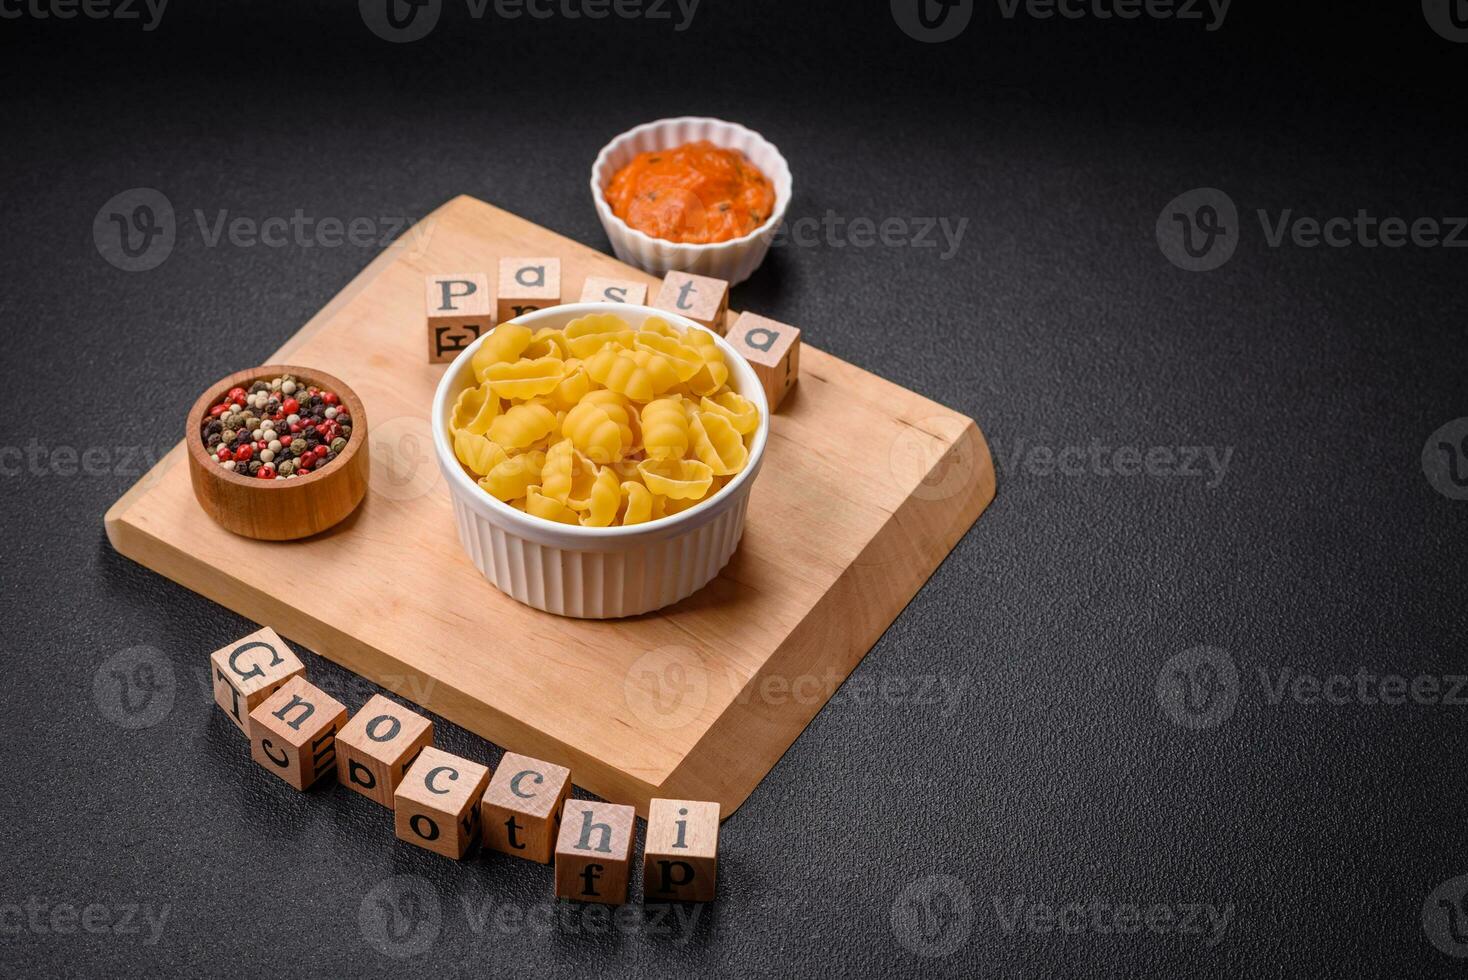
<point x="523" y="425"/>
<point x="600" y="424"/>
<point x="524" y="379"/>
<point x="474" y="410"/>
<point x="716" y="443"/>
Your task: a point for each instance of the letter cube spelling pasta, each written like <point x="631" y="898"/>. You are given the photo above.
<point x="772" y="349"/>
<point x="599" y="423"/>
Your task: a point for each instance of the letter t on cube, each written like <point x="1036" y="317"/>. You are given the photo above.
<point x="521" y="810"/>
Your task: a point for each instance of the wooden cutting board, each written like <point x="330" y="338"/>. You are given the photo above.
<point x="865" y="488"/>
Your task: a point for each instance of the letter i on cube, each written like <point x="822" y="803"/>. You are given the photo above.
<point x="680" y="860"/>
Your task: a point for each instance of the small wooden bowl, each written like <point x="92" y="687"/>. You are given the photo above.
<point x="278" y="510"/>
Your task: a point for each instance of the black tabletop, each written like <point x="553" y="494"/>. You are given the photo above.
<point x="1186" y="701"/>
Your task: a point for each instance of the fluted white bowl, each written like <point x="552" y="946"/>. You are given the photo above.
<point x="734" y="260"/>
<point x="597" y="572"/>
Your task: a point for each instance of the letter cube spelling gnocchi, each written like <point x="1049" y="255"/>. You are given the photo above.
<point x="293" y="732"/>
<point x="250" y="670"/>
<point x="460" y="309"/>
<point x="772" y="349"/>
<point x="680" y="861"/>
<point x="701" y="299"/>
<point x="521" y="809"/>
<point x="375" y="748"/>
<point x="599" y="290"/>
<point x="437" y="803"/>
<point x="594" y="852"/>
<point x="527" y="285"/>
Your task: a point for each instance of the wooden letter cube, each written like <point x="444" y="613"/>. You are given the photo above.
<point x="375" y="749"/>
<point x="680" y="861"/>
<point x="250" y="670"/>
<point x="772" y="349"/>
<point x="521" y="810"/>
<point x="599" y="290"/>
<point x="594" y="852"/>
<point x="293" y="732"/>
<point x="527" y="285"/>
<point x="437" y="802"/>
<point x="460" y="309"/>
<point x="701" y="299"/>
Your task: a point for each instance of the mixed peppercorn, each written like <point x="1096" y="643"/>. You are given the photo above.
<point x="277" y="429"/>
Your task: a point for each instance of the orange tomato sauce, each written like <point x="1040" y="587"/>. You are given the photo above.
<point x="697" y="193"/>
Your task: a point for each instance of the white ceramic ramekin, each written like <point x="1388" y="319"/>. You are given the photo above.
<point x="597" y="572"/>
<point x="734" y="260"/>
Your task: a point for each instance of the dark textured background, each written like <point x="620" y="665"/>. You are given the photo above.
<point x="1058" y="776"/>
